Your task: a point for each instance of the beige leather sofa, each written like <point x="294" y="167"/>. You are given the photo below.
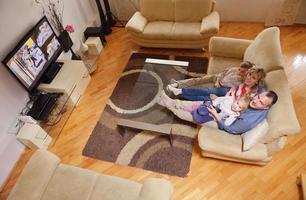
<point x="264" y="51"/>
<point x="45" y="178"/>
<point x="174" y="23"/>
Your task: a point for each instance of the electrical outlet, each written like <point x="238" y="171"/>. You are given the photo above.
<point x="27" y="119"/>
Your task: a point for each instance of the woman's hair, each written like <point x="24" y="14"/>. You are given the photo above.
<point x="246" y="65"/>
<point x="245" y="101"/>
<point x="260" y="73"/>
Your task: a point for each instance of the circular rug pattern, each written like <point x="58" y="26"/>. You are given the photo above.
<point x="134" y="97"/>
<point x="129" y="97"/>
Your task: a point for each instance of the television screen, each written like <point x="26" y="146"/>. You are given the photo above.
<point x="34" y="54"/>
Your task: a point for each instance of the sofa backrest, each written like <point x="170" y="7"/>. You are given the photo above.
<point x="265" y="50"/>
<point x="157" y="10"/>
<point x="191" y="10"/>
<point x="175" y="10"/>
<point x="282" y="118"/>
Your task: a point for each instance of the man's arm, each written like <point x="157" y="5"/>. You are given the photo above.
<point x="239" y="126"/>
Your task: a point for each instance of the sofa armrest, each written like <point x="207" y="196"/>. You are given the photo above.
<point x="136" y="23"/>
<point x="228" y="47"/>
<point x="282" y="117"/>
<point x="276" y="145"/>
<point x="222" y="143"/>
<point x="210" y="24"/>
<point x="156" y="189"/>
<point x="35" y="177"/>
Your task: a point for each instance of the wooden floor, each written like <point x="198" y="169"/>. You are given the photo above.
<point x="208" y="178"/>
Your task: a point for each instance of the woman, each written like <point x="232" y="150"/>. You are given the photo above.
<point x="251" y="85"/>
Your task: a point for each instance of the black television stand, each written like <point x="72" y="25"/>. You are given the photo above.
<point x="51" y="72"/>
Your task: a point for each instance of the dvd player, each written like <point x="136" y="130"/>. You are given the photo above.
<point x="43" y="105"/>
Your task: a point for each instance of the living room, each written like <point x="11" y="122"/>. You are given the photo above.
<point x="207" y="178"/>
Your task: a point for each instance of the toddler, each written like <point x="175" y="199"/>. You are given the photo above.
<point x="227" y="108"/>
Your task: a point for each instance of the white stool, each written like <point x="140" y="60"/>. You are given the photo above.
<point x="94" y="46"/>
<point x="33" y="136"/>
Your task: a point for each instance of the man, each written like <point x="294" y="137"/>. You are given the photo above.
<point x="257" y="111"/>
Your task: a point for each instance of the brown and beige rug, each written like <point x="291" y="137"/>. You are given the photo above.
<point x="134" y="97"/>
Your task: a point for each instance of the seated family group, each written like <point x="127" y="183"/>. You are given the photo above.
<point x="238" y="102"/>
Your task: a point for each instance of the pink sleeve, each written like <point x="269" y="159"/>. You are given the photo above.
<point x="192" y="107"/>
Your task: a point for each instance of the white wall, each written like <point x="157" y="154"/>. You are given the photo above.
<point x="16" y="19"/>
<point x="229" y="10"/>
<point x="241" y="10"/>
<point x="301" y="17"/>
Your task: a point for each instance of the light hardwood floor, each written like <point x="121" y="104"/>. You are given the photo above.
<point x="208" y="178"/>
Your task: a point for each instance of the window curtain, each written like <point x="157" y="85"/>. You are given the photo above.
<point x="124" y="9"/>
<point x="282" y="12"/>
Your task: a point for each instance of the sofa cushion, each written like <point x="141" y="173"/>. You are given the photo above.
<point x="254" y="136"/>
<point x="281" y="118"/>
<point x="191" y="10"/>
<point x="157" y="10"/>
<point x="70" y="183"/>
<point x="265" y="50"/>
<point x="158" y="30"/>
<point x="186" y="31"/>
<point x="115" y="188"/>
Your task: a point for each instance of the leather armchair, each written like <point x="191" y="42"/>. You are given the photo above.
<point x="174" y="23"/>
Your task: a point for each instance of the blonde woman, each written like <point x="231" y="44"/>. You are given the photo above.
<point x="252" y="84"/>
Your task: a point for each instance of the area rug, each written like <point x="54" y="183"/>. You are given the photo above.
<point x="146" y="149"/>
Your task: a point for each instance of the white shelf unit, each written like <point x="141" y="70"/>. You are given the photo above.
<point x="72" y="80"/>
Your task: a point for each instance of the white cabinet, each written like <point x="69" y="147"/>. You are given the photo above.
<point x="33" y="136"/>
<point x="72" y="80"/>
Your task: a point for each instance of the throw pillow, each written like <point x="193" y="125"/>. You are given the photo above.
<point x="252" y="137"/>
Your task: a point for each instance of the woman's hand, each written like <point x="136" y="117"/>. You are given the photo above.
<point x="217" y="84"/>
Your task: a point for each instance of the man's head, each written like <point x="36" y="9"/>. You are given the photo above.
<point x="264" y="100"/>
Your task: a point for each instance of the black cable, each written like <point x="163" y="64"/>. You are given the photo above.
<point x="117" y="20"/>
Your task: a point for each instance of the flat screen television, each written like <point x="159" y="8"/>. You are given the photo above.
<point x="34" y="54"/>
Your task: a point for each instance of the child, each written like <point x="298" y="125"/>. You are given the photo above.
<point x="229" y="109"/>
<point x="230" y="77"/>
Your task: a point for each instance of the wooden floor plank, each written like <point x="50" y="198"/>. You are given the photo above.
<point x="208" y="178"/>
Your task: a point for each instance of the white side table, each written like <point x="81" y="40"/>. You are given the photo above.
<point x="33" y="136"/>
<point x="72" y="80"/>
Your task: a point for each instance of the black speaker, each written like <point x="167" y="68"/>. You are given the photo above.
<point x="104" y="24"/>
<point x="109" y="15"/>
<point x="51" y="72"/>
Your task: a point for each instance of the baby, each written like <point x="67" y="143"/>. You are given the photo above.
<point x="227" y="108"/>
